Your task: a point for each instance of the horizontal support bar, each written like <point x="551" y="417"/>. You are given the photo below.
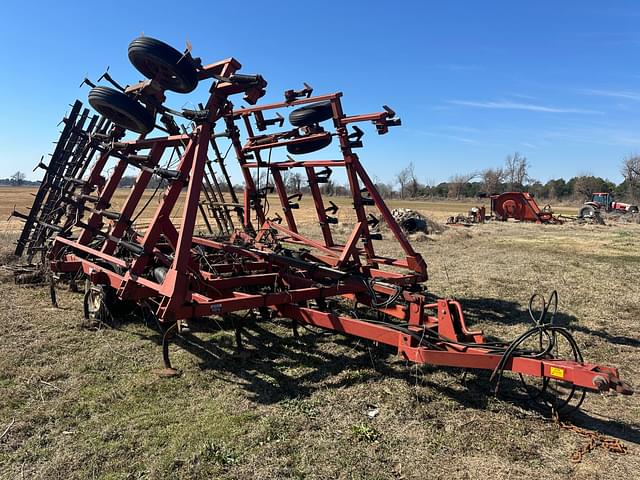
<point x="271" y="106"/>
<point x="286" y="165"/>
<point x="91" y="251"/>
<point x="580" y="374"/>
<point x="248" y="147"/>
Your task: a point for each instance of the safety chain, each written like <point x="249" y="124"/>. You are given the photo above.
<point x="594" y="440"/>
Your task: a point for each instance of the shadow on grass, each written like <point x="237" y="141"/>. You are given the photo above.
<point x="504" y="312"/>
<point x="511" y="313"/>
<point x="477" y="393"/>
<point x="268" y="365"/>
<point x="279" y="367"/>
<point x="608" y="426"/>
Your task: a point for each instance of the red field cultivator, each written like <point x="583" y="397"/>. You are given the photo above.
<point x="259" y="260"/>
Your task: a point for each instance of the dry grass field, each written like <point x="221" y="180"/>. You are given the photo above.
<point x="84" y="403"/>
<point x="439" y="210"/>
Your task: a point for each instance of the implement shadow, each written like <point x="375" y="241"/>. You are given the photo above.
<point x="477" y="393"/>
<point x="503" y="312"/>
<point x="267" y="367"/>
<point x="265" y="372"/>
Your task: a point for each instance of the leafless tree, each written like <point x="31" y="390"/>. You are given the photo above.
<point x="457" y="183"/>
<point x="260" y="178"/>
<point x="492" y="178"/>
<point x="18" y="178"/>
<point x="413" y="186"/>
<point x="285" y="174"/>
<point x="407" y="181"/>
<point x="516" y="171"/>
<point x="402" y="178"/>
<point x="294" y="182"/>
<point x="630" y="170"/>
<point x="384" y="189"/>
<point x="342" y="190"/>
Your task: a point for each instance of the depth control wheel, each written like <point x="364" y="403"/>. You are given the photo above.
<point x="163" y="63"/>
<point x="97" y="302"/>
<point x="121" y="109"/>
<point x="313" y="145"/>
<point x="310" y="114"/>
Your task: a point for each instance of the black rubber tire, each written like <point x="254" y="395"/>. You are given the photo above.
<point x="98" y="303"/>
<point x="310" y="114"/>
<point x="310" y="146"/>
<point x="633" y="209"/>
<point x="161" y="62"/>
<point x="101" y="303"/>
<point x="121" y="109"/>
<point x="587" y="211"/>
<point x="412" y="225"/>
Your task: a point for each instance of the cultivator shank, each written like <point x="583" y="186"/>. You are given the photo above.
<point x="75" y="149"/>
<point x="260" y="259"/>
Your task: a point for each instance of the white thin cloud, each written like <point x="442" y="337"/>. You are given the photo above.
<point x="521" y="95"/>
<point x="456" y="138"/>
<point x="612" y="93"/>
<point x="609" y="136"/>
<point x="507" y="105"/>
<point x="457" y="128"/>
<point x="458" y="67"/>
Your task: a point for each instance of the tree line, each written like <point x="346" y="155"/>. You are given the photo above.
<point x="512" y="176"/>
<point x="18" y="179"/>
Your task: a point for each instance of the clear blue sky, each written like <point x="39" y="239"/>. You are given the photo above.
<point x="472" y="81"/>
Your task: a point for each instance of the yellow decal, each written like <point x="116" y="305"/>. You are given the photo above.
<point x="557" y="372"/>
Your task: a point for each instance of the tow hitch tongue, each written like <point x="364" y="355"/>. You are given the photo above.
<point x="614" y="383"/>
<point x="621" y="386"/>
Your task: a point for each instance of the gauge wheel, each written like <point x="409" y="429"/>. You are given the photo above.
<point x="310" y="114"/>
<point x="313" y="145"/>
<point x="121" y="109"/>
<point x="97" y="302"/>
<point x="163" y="63"/>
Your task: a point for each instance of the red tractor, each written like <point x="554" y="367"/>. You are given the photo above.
<point x="605" y="201"/>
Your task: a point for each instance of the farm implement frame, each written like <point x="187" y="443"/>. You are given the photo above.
<point x="257" y="259"/>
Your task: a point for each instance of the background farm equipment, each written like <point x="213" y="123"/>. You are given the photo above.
<point x="412" y="221"/>
<point x="473" y="216"/>
<point x="257" y="260"/>
<point x="604" y="202"/>
<point x="521" y="206"/>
